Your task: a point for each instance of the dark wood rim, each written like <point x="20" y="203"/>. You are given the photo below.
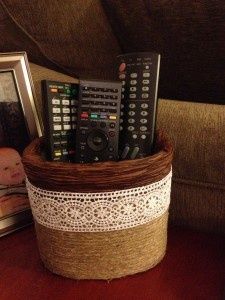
<point x="97" y="177"/>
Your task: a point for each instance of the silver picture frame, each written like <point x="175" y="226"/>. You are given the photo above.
<point x="19" y="125"/>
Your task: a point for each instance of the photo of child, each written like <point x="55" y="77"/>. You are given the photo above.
<point x="13" y="194"/>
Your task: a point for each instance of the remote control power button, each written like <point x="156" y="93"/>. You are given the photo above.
<point x="134" y="153"/>
<point x="122" y="67"/>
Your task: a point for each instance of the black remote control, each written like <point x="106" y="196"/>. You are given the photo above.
<point x="98" y="121"/>
<point x="60" y="101"/>
<point x="139" y="73"/>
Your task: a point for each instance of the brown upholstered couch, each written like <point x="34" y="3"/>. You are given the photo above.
<point x="82" y="38"/>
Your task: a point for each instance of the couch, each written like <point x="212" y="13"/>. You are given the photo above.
<point x="66" y="40"/>
<point x="82" y="38"/>
<point x="73" y="39"/>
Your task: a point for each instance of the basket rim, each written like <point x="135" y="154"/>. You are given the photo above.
<point x="36" y="146"/>
<point x="98" y="174"/>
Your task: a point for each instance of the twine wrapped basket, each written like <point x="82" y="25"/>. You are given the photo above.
<point x="101" y="220"/>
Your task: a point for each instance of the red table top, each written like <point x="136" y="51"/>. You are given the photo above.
<point x="193" y="268"/>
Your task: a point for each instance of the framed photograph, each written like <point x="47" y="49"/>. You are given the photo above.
<point x="19" y="125"/>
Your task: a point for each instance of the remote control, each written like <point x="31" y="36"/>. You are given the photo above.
<point x="60" y="101"/>
<point x="98" y="121"/>
<point x="139" y="73"/>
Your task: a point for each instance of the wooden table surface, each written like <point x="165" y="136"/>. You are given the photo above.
<point x="193" y="268"/>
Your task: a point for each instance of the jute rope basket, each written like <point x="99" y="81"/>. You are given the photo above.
<point x="101" y="220"/>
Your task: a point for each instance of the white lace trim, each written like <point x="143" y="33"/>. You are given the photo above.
<point x="94" y="212"/>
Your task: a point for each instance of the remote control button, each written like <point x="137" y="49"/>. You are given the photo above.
<point x="74" y="126"/>
<point x="73" y="102"/>
<point x="57" y="153"/>
<point x="144" y="96"/>
<point x="74" y="118"/>
<point x="145" y="81"/>
<point x="66" y="119"/>
<point x="133" y="89"/>
<point x="122" y="96"/>
<point x="122" y="76"/>
<point x="125" y="152"/>
<point x="130" y="128"/>
<point x="144" y="105"/>
<point x="55" y="101"/>
<point x="143" y="128"/>
<point x="143" y="136"/>
<point x="145" y="88"/>
<point x="112" y="125"/>
<point x="134" y="136"/>
<point x="133" y="75"/>
<point x="93" y="124"/>
<point x="66" y="102"/>
<point x="121" y="128"/>
<point x="111" y="149"/>
<point x="57" y="127"/>
<point x="103" y="116"/>
<point x="123" y="82"/>
<point x="131" y="121"/>
<point x="121" y="106"/>
<point x="102" y="124"/>
<point x="122" y="67"/>
<point x="56" y="110"/>
<point x="57" y="119"/>
<point x="66" y="110"/>
<point x="73" y="110"/>
<point x="121" y="120"/>
<point x="66" y="127"/>
<point x="94" y="116"/>
<point x="97" y="140"/>
<point x="131" y="113"/>
<point x="132" y="96"/>
<point x="147" y="67"/>
<point x="84" y="115"/>
<point x="112" y="133"/>
<point x="133" y="82"/>
<point x="143" y="121"/>
<point x="146" y="74"/>
<point x="132" y="105"/>
<point x="134" y="153"/>
<point x="121" y="113"/>
<point x="54" y="90"/>
<point x="112" y="117"/>
<point x="123" y="89"/>
<point x="144" y="113"/>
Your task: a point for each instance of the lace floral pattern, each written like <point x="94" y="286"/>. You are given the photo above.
<point x="96" y="212"/>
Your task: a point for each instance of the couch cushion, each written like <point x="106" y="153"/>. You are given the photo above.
<point x="188" y="34"/>
<point x="71" y="36"/>
<point x="197" y="132"/>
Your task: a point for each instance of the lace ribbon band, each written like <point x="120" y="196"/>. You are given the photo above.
<point x="96" y="212"/>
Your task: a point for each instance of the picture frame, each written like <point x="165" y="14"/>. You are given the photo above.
<point x="19" y="125"/>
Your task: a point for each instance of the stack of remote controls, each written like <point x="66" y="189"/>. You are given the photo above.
<point x="103" y="120"/>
